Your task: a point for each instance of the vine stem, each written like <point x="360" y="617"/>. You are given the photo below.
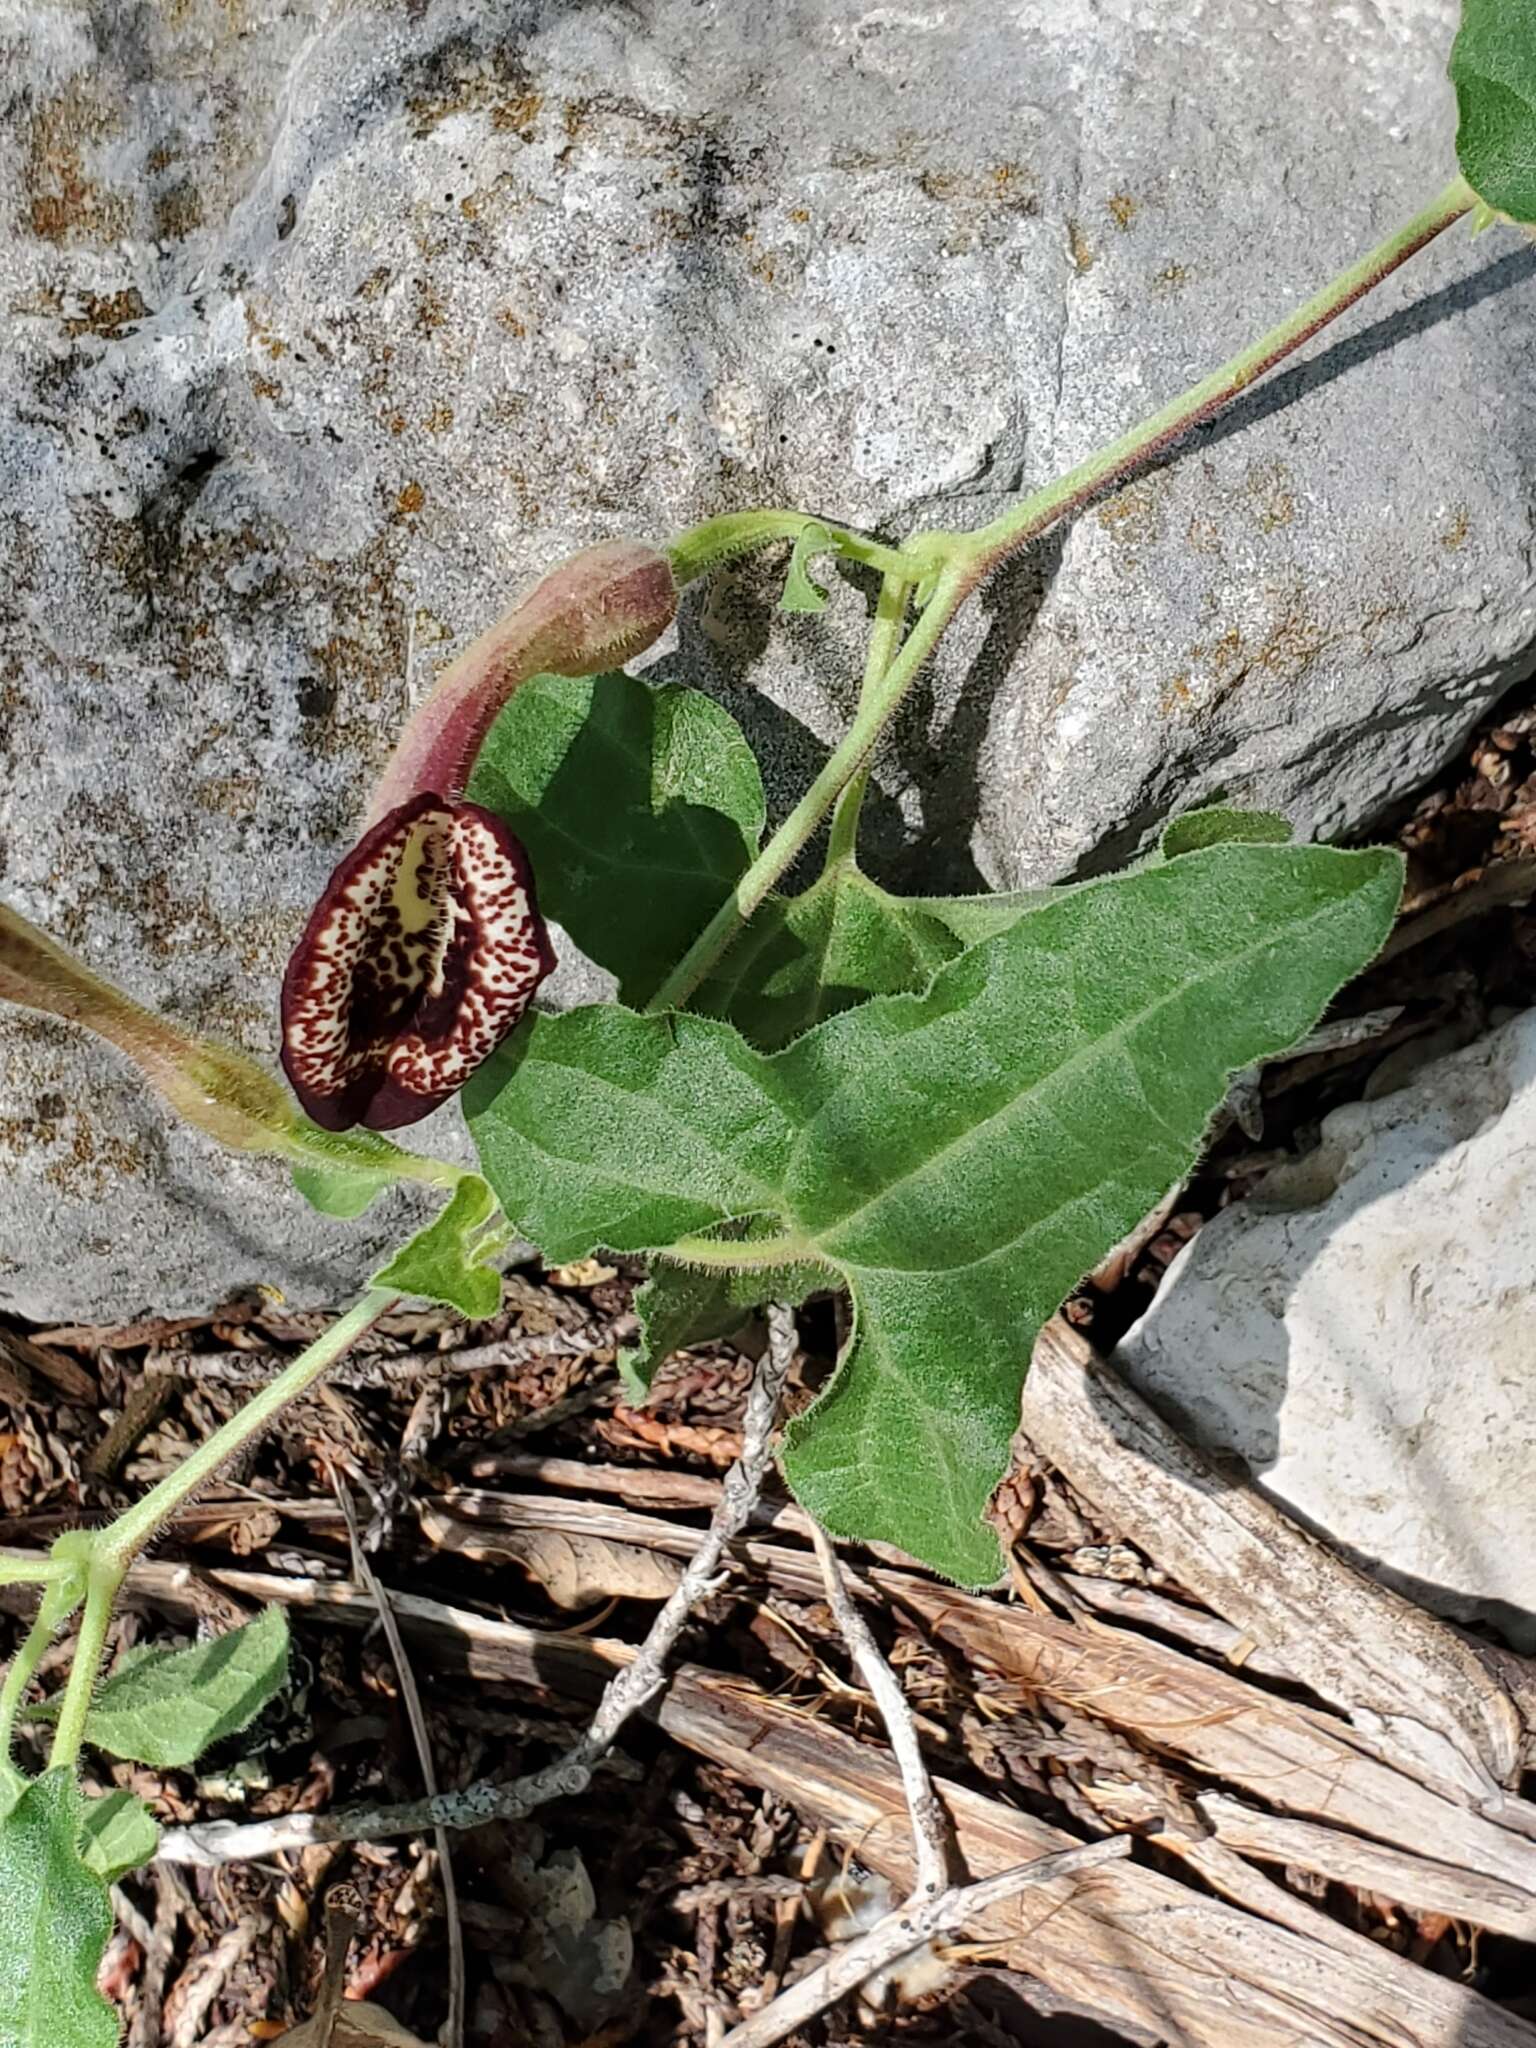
<point x="705" y="546"/>
<point x="90" y="1647"/>
<point x="32" y="1571"/>
<point x="19" y="1677"/>
<point x="121" y="1540"/>
<point x="967" y="559"/>
<point x="1026" y="521"/>
<point x="741" y="1254"/>
<point x="952" y="587"/>
<point x="106" y="1556"/>
<point x="884" y="639"/>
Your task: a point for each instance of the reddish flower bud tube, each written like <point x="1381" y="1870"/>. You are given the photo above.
<point x="427" y="945"/>
<point x="602" y="607"/>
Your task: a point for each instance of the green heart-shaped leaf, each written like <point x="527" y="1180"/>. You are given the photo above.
<point x="165" y="1707"/>
<point x="640" y="809"/>
<point x="959" y="1159"/>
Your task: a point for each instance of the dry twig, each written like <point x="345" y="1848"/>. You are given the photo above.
<point x="625" y="1694"/>
<point x="930" y="1830"/>
<point x="846" y="1968"/>
<point x="453" y="2032"/>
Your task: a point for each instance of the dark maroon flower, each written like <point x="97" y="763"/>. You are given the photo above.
<point x="417" y="961"/>
<point x="427" y="945"/>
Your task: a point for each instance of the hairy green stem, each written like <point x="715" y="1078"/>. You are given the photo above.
<point x="740" y="1254"/>
<point x="19" y="1677"/>
<point x="884" y="639"/>
<point x="123" y="1539"/>
<point x="32" y="1571"/>
<point x="714" y="541"/>
<point x="992" y="544"/>
<point x="106" y="1555"/>
<point x="90" y="1647"/>
<point x="950" y="590"/>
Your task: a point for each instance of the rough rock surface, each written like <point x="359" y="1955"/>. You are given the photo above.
<point x="328" y="327"/>
<point x="1362" y="1332"/>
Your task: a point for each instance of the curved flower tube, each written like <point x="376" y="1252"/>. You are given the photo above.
<point x="212" y="1086"/>
<point x="427" y="945"/>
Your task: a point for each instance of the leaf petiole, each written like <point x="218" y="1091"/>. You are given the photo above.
<point x="743" y="1254"/>
<point x="33" y="1571"/>
<point x="705" y="546"/>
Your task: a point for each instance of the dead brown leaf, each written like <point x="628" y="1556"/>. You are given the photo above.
<point x="574" y="1570"/>
<point x="357" y="2024"/>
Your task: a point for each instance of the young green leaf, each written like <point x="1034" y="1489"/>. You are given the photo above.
<point x="55" y="1918"/>
<point x="959" y="1158"/>
<point x="640" y="809"/>
<point x="807" y="957"/>
<point x="117" y="1835"/>
<point x="165" y="1707"/>
<point x="340" y="1190"/>
<point x="450" y="1260"/>
<point x="683" y="1305"/>
<point x="1493" y="68"/>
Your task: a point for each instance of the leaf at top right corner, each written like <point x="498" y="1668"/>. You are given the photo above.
<point x="1493" y="68"/>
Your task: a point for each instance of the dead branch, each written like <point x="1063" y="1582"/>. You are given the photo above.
<point x="930" y="1831"/>
<point x="851" y="1965"/>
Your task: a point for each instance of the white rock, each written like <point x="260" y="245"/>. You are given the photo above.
<point x="1362" y="1332"/>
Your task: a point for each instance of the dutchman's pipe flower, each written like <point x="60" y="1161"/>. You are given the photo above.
<point x="427" y="945"/>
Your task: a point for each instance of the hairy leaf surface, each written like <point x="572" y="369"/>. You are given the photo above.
<point x="165" y="1707"/>
<point x="805" y="958"/>
<point x="450" y="1258"/>
<point x="683" y="1305"/>
<point x="118" y="1834"/>
<point x="1493" y="68"/>
<point x="960" y="1158"/>
<point x="55" y="1918"/>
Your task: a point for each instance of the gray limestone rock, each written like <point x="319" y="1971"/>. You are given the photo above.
<point x="1362" y="1332"/>
<point x="327" y="328"/>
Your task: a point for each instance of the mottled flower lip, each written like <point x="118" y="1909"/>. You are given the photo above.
<point x="423" y="952"/>
<point x="427" y="945"/>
